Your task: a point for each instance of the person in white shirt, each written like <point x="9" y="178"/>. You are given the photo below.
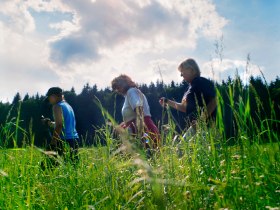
<point x="136" y="111"/>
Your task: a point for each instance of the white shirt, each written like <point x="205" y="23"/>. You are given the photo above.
<point x="134" y="98"/>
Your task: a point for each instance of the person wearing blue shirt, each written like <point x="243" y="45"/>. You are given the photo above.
<point x="65" y="136"/>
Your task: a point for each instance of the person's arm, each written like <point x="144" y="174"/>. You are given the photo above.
<point x="139" y="121"/>
<point x="47" y="122"/>
<point x="211" y="106"/>
<point x="208" y="90"/>
<point x="58" y="125"/>
<point x="136" y="100"/>
<point x="178" y="106"/>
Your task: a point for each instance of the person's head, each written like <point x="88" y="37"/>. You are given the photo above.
<point x="122" y="83"/>
<point x="189" y="70"/>
<point x="54" y="95"/>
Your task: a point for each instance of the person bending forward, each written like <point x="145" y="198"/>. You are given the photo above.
<point x="136" y="112"/>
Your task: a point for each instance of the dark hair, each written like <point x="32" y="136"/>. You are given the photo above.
<point x="123" y="81"/>
<point x="55" y="91"/>
<point x="189" y="64"/>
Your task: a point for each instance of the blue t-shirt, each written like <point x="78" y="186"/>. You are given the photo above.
<point x="200" y="91"/>
<point x="69" y="122"/>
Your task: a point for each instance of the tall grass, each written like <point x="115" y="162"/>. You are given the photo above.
<point x="202" y="173"/>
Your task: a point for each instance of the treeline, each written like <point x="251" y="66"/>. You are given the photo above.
<point x="22" y="117"/>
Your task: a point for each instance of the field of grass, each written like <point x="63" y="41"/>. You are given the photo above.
<point x="204" y="173"/>
<point x="203" y="178"/>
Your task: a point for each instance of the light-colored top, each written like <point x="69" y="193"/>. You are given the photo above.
<point x="69" y="123"/>
<point x="134" y="98"/>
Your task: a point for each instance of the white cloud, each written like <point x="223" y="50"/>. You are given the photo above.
<point x="17" y="16"/>
<point x="163" y="68"/>
<point x="222" y="69"/>
<point x="162" y="25"/>
<point x="103" y="39"/>
<point x="23" y="64"/>
<point x="65" y="28"/>
<point x="128" y="36"/>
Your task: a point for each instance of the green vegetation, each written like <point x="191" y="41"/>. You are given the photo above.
<point x="228" y="177"/>
<point x="88" y="114"/>
<point x="203" y="173"/>
<point x="225" y="179"/>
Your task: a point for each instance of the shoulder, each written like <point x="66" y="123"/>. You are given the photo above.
<point x="199" y="80"/>
<point x="132" y="92"/>
<point x="56" y="107"/>
<point x="206" y="81"/>
<point x="202" y="82"/>
<point x="207" y="87"/>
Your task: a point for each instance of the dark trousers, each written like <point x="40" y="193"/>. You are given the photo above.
<point x="68" y="149"/>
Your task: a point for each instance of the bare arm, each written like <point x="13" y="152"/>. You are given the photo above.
<point x="58" y="118"/>
<point x="178" y="106"/>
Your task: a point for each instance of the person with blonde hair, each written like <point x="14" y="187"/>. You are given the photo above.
<point x="136" y="111"/>
<point x="200" y="94"/>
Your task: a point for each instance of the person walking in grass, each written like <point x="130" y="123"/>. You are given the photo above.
<point x="65" y="137"/>
<point x="200" y="97"/>
<point x="136" y="112"/>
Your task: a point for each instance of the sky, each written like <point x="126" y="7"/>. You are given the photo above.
<point x="69" y="43"/>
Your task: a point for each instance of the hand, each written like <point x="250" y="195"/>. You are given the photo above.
<point x="120" y="129"/>
<point x="46" y="121"/>
<point x="122" y="124"/>
<point x="163" y="101"/>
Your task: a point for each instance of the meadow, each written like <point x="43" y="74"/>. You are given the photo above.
<point x="203" y="173"/>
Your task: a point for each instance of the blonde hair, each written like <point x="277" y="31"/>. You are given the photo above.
<point x="189" y="64"/>
<point x="123" y="81"/>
